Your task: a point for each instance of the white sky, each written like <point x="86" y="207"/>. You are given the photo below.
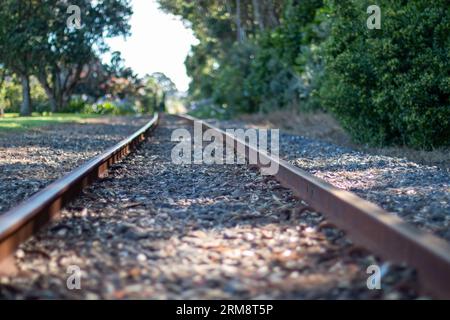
<point x="159" y="43"/>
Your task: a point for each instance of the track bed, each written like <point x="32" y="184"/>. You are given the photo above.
<point x="153" y="229"/>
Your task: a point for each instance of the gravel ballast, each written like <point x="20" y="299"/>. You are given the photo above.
<point x="154" y="229"/>
<point x="32" y="159"/>
<point x="417" y="193"/>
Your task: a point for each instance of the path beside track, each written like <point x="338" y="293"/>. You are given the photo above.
<point x="419" y="194"/>
<point x="32" y="159"/>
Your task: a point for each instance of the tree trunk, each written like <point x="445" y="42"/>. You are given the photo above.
<point x="57" y="89"/>
<point x="272" y="16"/>
<point x="25" y="109"/>
<point x="65" y="97"/>
<point x="258" y="16"/>
<point x="2" y="108"/>
<point x="58" y="102"/>
<point x="240" y="30"/>
<point x="49" y="92"/>
<point x="57" y="98"/>
<point x="53" y="103"/>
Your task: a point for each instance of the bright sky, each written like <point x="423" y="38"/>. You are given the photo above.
<point x="159" y="43"/>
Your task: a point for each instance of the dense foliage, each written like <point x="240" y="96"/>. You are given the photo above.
<point x="388" y="86"/>
<point x="391" y="85"/>
<point x="48" y="65"/>
<point x="36" y="41"/>
<point x="253" y="55"/>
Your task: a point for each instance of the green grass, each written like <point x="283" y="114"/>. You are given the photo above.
<point x="12" y="121"/>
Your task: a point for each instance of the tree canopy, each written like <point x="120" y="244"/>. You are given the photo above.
<point x="386" y="86"/>
<point x="35" y="40"/>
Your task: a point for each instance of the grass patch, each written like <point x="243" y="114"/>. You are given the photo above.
<point x="12" y="121"/>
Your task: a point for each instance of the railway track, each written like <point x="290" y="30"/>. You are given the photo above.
<point x="23" y="221"/>
<point x="365" y="223"/>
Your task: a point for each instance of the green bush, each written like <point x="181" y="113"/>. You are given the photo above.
<point x="278" y="67"/>
<point x="271" y="83"/>
<point x="287" y="67"/>
<point x="76" y="105"/>
<point x="390" y="86"/>
<point x="230" y="90"/>
<point x="110" y="108"/>
<point x="10" y="96"/>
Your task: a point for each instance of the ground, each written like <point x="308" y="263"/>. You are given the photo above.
<point x="159" y="230"/>
<point x="322" y="126"/>
<point x="11" y="122"/>
<point x="32" y="158"/>
<point x="153" y="229"/>
<point x="416" y="192"/>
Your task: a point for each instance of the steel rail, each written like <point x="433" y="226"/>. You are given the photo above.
<point x="23" y="221"/>
<point x="366" y="224"/>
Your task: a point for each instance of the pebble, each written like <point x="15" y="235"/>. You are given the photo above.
<point x="20" y="254"/>
<point x="141" y="257"/>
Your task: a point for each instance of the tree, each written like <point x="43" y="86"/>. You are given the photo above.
<point x="155" y="89"/>
<point x="252" y="54"/>
<point x="35" y="39"/>
<point x="258" y="15"/>
<point x="165" y="83"/>
<point x="69" y="54"/>
<point x="95" y="83"/>
<point x="20" y="41"/>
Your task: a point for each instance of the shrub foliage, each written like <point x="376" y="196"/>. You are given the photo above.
<point x="390" y="86"/>
<point x="387" y="86"/>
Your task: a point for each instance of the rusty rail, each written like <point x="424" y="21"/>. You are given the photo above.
<point x="366" y="224"/>
<point x="21" y="222"/>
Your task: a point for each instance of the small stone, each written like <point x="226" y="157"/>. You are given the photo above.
<point x="92" y="296"/>
<point x="20" y="254"/>
<point x="249" y="237"/>
<point x="84" y="212"/>
<point x="141" y="257"/>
